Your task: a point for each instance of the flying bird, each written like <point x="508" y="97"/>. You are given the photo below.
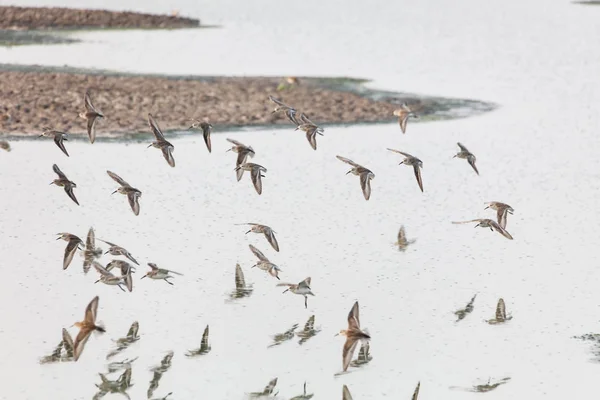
<point x="86" y="327"/>
<point x="64" y="182"/>
<point x="264" y="263"/>
<point x="402" y="241"/>
<point x="206" y="130"/>
<point x="503" y="211"/>
<point x="265" y="230"/>
<point x="73" y="243"/>
<point x="365" y="175"/>
<point x="243" y="152"/>
<point x="108" y="278"/>
<point x="4" y="145"/>
<point x="466" y="154"/>
<point x="488" y="223"/>
<point x="403" y="113"/>
<point x="255" y="174"/>
<point x="204" y="346"/>
<point x="133" y="194"/>
<point x="290" y="112"/>
<point x="413" y="162"/>
<point x="160" y="142"/>
<point x="353" y="335"/>
<point x="59" y="138"/>
<point x="116" y="250"/>
<point x="500" y="314"/>
<point x="91" y="252"/>
<point x="91" y="114"/>
<point x="311" y="130"/>
<point x="301" y="288"/>
<point x="160" y="273"/>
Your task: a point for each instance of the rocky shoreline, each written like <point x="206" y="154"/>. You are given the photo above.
<point x="34" y="97"/>
<point x="28" y="18"/>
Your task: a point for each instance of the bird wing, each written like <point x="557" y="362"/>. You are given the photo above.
<point x="153" y="266"/>
<point x="204" y="343"/>
<point x="305" y="283"/>
<point x="90" y="242"/>
<point x="206" y="134"/>
<point x="502" y="217"/>
<point x="500" y="230"/>
<point x="168" y="154"/>
<point x="67" y="342"/>
<point x="155" y="128"/>
<point x="69" y="190"/>
<point x="463" y="148"/>
<point x="310" y="324"/>
<point x="133" y="198"/>
<point x="418" y="176"/>
<point x="58" y="139"/>
<point x="133" y="330"/>
<point x="403" y="120"/>
<point x="91" y="127"/>
<point x="58" y="172"/>
<point x="117" y="179"/>
<point x="348" y="161"/>
<point x="236" y="142"/>
<point x="103" y="271"/>
<point x="348" y="351"/>
<point x="416" y="393"/>
<point x="108" y="243"/>
<point x="278" y="102"/>
<point x="271" y="238"/>
<point x="80" y="341"/>
<point x="91" y="310"/>
<point x="255" y="174"/>
<point x="70" y="250"/>
<point x="88" y="103"/>
<point x="471" y="161"/>
<point x="401" y="235"/>
<point x="353" y="317"/>
<point x="129" y="281"/>
<point x="311" y="136"/>
<point x="346" y="393"/>
<point x="365" y="184"/>
<point x="258" y="253"/>
<point x="466" y="222"/>
<point x="401" y="152"/>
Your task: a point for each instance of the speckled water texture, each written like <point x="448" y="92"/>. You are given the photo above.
<point x="537" y="152"/>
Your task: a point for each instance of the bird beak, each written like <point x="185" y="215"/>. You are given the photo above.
<point x="488" y="207"/>
<point x="143" y="277"/>
<point x="248" y="232"/>
<point x="106" y="252"/>
<point x="337" y="334"/>
<point x="286" y="290"/>
<point x="348" y="172"/>
<point x="51" y="183"/>
<point x="97" y="281"/>
<point x="150" y="145"/>
<point x="114" y="192"/>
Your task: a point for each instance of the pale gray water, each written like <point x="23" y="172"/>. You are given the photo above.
<point x="538" y="152"/>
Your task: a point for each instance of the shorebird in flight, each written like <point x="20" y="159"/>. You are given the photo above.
<point x="463" y="312"/>
<point x="311" y="130"/>
<point x="161" y="143"/>
<point x="58" y="136"/>
<point x="86" y="327"/>
<point x="91" y="252"/>
<point x="108" y="278"/>
<point x="73" y="243"/>
<point x="301" y="288"/>
<point x="365" y="175"/>
<point x="290" y="112"/>
<point x="503" y="211"/>
<point x="265" y="230"/>
<point x="353" y="335"/>
<point x="255" y="174"/>
<point x="64" y="182"/>
<point x="488" y="223"/>
<point x="402" y="241"/>
<point x="206" y="130"/>
<point x="264" y="263"/>
<point x="466" y="154"/>
<point x="243" y="152"/>
<point x="116" y="250"/>
<point x="403" y="113"/>
<point x="133" y="194"/>
<point x="204" y="346"/>
<point x="91" y="114"/>
<point x="160" y="273"/>
<point x="4" y="145"/>
<point x="412" y="162"/>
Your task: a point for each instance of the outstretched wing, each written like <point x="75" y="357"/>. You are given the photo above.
<point x="58" y="172"/>
<point x="91" y="310"/>
<point x="463" y="148"/>
<point x="258" y="253"/>
<point x="501" y="310"/>
<point x="401" y="152"/>
<point x="155" y="128"/>
<point x="418" y="176"/>
<point x="271" y="238"/>
<point x="348" y="161"/>
<point x="365" y="184"/>
<point x="117" y="178"/>
<point x="90" y="243"/>
<point x="501" y="230"/>
<point x="353" y="317"/>
<point x="348" y="351"/>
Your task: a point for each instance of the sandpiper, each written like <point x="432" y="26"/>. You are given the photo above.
<point x="366" y="175"/>
<point x="206" y="130"/>
<point x="413" y="162"/>
<point x="64" y="182"/>
<point x="488" y="223"/>
<point x="160" y="142"/>
<point x="264" y="263"/>
<point x="124" y="266"/>
<point x="4" y="145"/>
<point x="466" y="154"/>
<point x="301" y="288"/>
<point x="255" y="173"/>
<point x="116" y="250"/>
<point x="500" y="314"/>
<point x="73" y="243"/>
<point x="502" y="209"/>
<point x="265" y="230"/>
<point x="402" y="241"/>
<point x="58" y="137"/>
<point x="311" y="130"/>
<point x="91" y="252"/>
<point x="403" y="113"/>
<point x="160" y="273"/>
<point x="86" y="327"/>
<point x="353" y="335"/>
<point x="108" y="278"/>
<point x="243" y="152"/>
<point x="204" y="346"/>
<point x="91" y="114"/>
<point x="133" y="194"/>
<point x="290" y="112"/>
<point x="463" y="312"/>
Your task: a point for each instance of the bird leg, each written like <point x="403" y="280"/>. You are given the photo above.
<point x="170" y="283"/>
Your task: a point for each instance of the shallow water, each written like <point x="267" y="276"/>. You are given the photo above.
<point x="537" y="152"/>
